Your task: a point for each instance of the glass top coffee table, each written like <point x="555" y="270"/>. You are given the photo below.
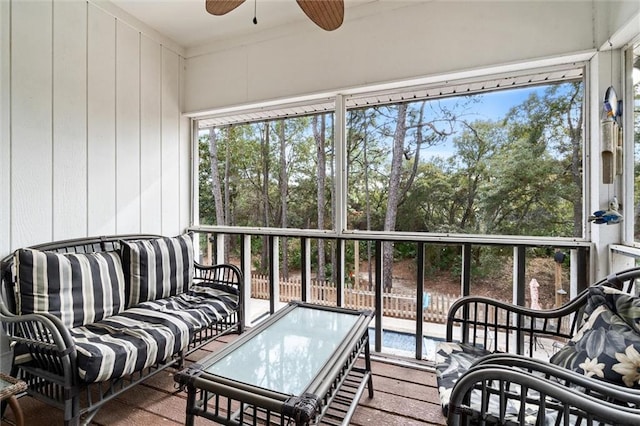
<point x="301" y="364"/>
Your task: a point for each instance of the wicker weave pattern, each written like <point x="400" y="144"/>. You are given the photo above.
<point x="10" y="386"/>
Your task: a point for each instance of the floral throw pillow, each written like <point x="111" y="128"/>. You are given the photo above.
<point x="607" y="346"/>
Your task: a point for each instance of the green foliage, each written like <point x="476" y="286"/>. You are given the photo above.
<point x="442" y="258"/>
<point x="404" y="250"/>
<point x="517" y="174"/>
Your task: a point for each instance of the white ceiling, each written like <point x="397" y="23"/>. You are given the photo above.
<point x="187" y="23"/>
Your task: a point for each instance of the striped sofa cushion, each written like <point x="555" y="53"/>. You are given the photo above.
<point x="78" y="288"/>
<point x="157" y="268"/>
<point x="146" y="334"/>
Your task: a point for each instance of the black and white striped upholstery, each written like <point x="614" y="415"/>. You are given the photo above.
<point x="78" y="288"/>
<point x="157" y="268"/>
<point x="150" y="332"/>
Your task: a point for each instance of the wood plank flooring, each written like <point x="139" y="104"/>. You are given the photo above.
<point x="404" y="395"/>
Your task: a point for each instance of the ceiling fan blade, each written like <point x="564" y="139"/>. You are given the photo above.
<point x="221" y="7"/>
<point x="327" y="14"/>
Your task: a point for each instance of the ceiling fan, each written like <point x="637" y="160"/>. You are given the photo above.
<point x="327" y="14"/>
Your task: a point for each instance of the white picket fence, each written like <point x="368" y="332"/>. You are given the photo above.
<point x="399" y="303"/>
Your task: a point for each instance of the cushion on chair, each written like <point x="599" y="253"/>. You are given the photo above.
<point x="147" y="333"/>
<point x="455" y="359"/>
<point x="452" y="361"/>
<point x="78" y="288"/>
<point x="157" y="268"/>
<point x="607" y="346"/>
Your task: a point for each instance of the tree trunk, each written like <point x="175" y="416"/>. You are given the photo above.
<point x="333" y="199"/>
<point x="227" y="198"/>
<point x="368" y="212"/>
<point x="216" y="184"/>
<point x="215" y="178"/>
<point x="318" y="134"/>
<point x="575" y="133"/>
<point x="394" y="193"/>
<point x="264" y="148"/>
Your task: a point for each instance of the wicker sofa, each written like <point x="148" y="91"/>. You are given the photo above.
<point x="90" y="318"/>
<point x="492" y="368"/>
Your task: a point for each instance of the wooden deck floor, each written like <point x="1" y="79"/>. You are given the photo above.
<point x="403" y="396"/>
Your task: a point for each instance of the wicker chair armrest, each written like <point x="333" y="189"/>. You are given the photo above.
<point x="225" y="274"/>
<point x="483" y="320"/>
<point x="40" y="330"/>
<point x="598" y="388"/>
<point x="532" y="396"/>
<point x="41" y="341"/>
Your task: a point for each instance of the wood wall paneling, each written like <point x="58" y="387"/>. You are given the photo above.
<point x="5" y="156"/>
<point x="150" y="139"/>
<point x="185" y="158"/>
<point x="101" y="123"/>
<point x="31" y="116"/>
<point x="69" y="120"/>
<point x="170" y="143"/>
<point x="5" y="134"/>
<point x="127" y="129"/>
<point x="91" y="135"/>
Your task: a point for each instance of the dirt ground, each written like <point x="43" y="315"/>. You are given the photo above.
<point x="543" y="270"/>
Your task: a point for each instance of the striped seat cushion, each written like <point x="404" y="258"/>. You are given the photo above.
<point x="157" y="268"/>
<point x="148" y="333"/>
<point x="78" y="288"/>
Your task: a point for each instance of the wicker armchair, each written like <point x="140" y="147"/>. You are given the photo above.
<point x="492" y="367"/>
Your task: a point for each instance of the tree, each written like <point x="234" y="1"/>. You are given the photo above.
<point x="319" y="130"/>
<point x="283" y="183"/>
<point x="393" y="196"/>
<point x="265" y="204"/>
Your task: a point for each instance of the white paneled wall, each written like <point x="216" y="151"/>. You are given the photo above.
<point x="170" y="151"/>
<point x="127" y="129"/>
<point x="31" y="186"/>
<point x="150" y="130"/>
<point x="69" y="136"/>
<point x="91" y="136"/>
<point x="93" y="141"/>
<point x="101" y="123"/>
<point x="5" y="128"/>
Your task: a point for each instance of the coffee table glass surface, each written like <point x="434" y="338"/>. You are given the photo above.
<point x="286" y="356"/>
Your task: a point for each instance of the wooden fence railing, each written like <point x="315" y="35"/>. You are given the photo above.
<point x="399" y="303"/>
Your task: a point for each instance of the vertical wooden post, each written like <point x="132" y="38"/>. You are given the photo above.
<point x="378" y="295"/>
<point x="356" y="263"/>
<point x="339" y="268"/>
<point x="209" y="250"/>
<point x="305" y="268"/>
<point x="419" y="299"/>
<point x="465" y="281"/>
<point x="274" y="273"/>
<point x="245" y="266"/>
<point x="558" y="284"/>
<point x="220" y="239"/>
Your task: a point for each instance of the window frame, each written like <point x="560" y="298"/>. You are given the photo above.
<point x="431" y="88"/>
<point x="627" y="60"/>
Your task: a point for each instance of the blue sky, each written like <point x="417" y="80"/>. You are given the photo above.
<point x="492" y="106"/>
